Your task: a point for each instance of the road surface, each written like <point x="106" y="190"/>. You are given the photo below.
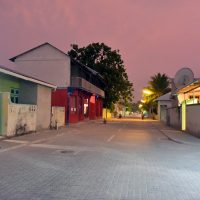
<point x="120" y="160"/>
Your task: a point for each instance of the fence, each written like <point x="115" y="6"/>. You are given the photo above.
<point x="16" y="119"/>
<point x="106" y="113"/>
<point x="174" y="117"/>
<point x="21" y="119"/>
<point x="193" y="119"/>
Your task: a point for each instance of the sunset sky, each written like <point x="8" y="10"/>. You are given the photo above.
<point x="152" y="35"/>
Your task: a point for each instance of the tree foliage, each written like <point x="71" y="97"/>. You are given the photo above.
<point x="110" y="65"/>
<point x="157" y="86"/>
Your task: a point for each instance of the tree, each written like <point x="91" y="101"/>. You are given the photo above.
<point x="109" y="64"/>
<point x="157" y="86"/>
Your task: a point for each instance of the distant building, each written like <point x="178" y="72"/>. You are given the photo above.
<point x="184" y="112"/>
<point x="79" y="88"/>
<point x="164" y="102"/>
<point x="24" y="101"/>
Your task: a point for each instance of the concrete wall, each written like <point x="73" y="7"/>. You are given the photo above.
<point x="162" y="110"/>
<point x="58" y="116"/>
<point x="193" y="119"/>
<point x="174" y="117"/>
<point x="16" y="119"/>
<point x="163" y="113"/>
<point x="21" y="119"/>
<point x="46" y="63"/>
<point x="43" y="107"/>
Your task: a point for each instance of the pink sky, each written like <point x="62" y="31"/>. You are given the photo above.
<point x="152" y="35"/>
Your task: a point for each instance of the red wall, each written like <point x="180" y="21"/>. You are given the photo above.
<point x="76" y="108"/>
<point x="74" y="115"/>
<point x="99" y="103"/>
<point x="59" y="98"/>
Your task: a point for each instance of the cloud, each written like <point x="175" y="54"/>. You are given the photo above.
<point x="152" y="36"/>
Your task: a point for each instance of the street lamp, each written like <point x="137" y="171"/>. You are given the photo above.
<point x="147" y="91"/>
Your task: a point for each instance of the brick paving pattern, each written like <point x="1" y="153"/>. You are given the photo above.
<point x="117" y="161"/>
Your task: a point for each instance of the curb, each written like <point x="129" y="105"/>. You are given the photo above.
<point x="179" y="141"/>
<point x="170" y="138"/>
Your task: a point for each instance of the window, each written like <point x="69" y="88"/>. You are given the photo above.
<point x="14" y="95"/>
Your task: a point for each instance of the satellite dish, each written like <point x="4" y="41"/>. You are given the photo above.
<point x="183" y="77"/>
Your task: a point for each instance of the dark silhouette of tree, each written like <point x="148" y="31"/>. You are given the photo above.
<point x="110" y="66"/>
<point x="157" y="86"/>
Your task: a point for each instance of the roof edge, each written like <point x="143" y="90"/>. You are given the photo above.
<point x="32" y="49"/>
<point x="25" y="77"/>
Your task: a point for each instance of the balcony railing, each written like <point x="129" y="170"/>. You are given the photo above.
<point x="82" y="83"/>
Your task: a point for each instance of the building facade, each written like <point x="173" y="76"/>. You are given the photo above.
<point x="19" y="93"/>
<point x="79" y="88"/>
<point x="164" y="102"/>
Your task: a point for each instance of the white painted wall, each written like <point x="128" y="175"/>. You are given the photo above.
<point x="21" y="119"/>
<point x="193" y="119"/>
<point x="46" y="63"/>
<point x="58" y="116"/>
<point x="43" y="107"/>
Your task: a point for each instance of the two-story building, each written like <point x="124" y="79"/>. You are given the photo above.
<point x="79" y="88"/>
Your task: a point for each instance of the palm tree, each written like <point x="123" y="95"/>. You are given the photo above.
<point x="157" y="86"/>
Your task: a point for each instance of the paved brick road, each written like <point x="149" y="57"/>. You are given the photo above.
<point x="117" y="161"/>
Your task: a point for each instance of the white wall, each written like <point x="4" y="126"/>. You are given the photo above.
<point x="46" y="63"/>
<point x="43" y="107"/>
<point x="21" y="119"/>
<point x="193" y="119"/>
<point x="58" y="116"/>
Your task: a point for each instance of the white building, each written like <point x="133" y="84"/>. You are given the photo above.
<point x="164" y="102"/>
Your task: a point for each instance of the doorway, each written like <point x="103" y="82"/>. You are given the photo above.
<point x="86" y="107"/>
